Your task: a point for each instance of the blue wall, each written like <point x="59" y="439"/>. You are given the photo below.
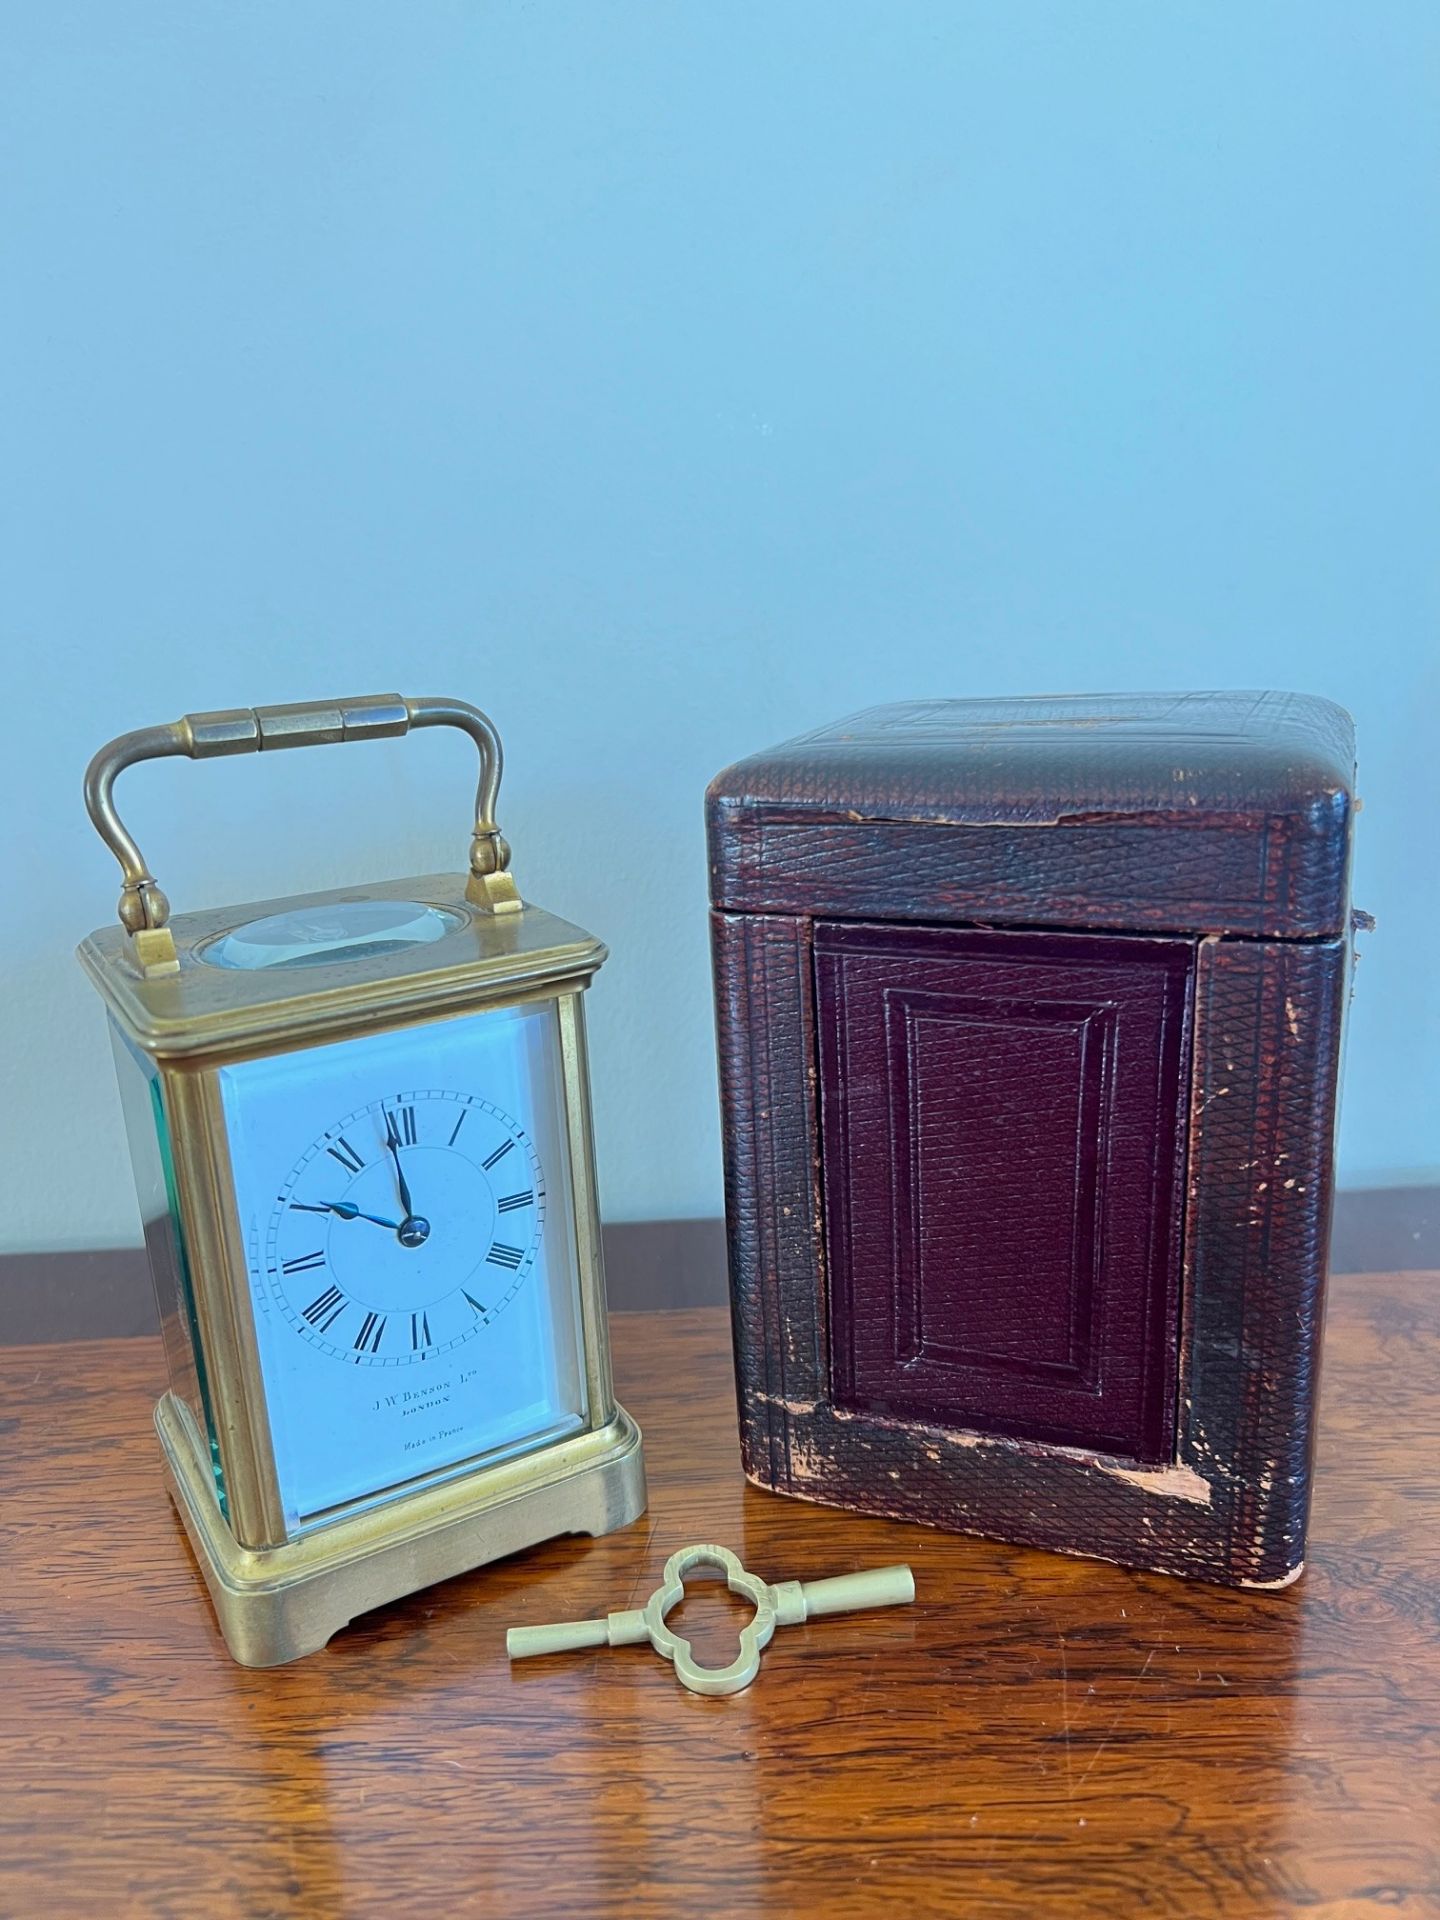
<point x="672" y="376"/>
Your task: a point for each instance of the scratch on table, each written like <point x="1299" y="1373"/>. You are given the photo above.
<point x="867" y="1682"/>
<point x="641" y="1558"/>
<point x="1065" y="1712"/>
<point x="1119" y="1714"/>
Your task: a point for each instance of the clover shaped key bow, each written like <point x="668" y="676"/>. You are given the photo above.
<point x="786" y="1604"/>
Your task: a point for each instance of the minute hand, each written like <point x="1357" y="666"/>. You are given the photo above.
<point x="393" y="1143"/>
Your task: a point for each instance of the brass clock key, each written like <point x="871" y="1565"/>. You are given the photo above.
<point x="786" y="1604"/>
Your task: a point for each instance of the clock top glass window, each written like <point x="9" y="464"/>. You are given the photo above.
<point x="361" y="1134"/>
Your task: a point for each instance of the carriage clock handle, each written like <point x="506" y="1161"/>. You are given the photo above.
<point x="144" y="910"/>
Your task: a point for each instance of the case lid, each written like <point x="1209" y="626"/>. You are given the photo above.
<point x="439" y="957"/>
<point x="1220" y="812"/>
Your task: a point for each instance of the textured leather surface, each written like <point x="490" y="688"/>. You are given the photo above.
<point x="1030" y="761"/>
<point x="1232" y="1508"/>
<point x="1262" y="1143"/>
<point x="1207" y="812"/>
<point x="1225" y="817"/>
<point x="765" y="1020"/>
<point x="1002" y="1125"/>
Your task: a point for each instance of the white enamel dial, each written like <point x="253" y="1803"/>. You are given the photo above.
<point x="374" y="1281"/>
<point x="406" y="1204"/>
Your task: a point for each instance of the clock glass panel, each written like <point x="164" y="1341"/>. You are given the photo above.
<point x="406" y="1204"/>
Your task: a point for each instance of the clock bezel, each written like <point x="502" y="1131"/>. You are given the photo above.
<point x="201" y="1011"/>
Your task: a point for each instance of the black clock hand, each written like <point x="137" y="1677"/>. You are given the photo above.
<point x="392" y="1141"/>
<point x="347" y="1210"/>
<point x="414" y="1229"/>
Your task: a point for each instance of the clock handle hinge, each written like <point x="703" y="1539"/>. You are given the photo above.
<point x="143" y="908"/>
<point x="491" y="885"/>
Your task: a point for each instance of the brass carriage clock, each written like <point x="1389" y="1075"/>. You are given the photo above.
<point x="360" y="1126"/>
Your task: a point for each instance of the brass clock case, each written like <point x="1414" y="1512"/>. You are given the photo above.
<point x="183" y="1019"/>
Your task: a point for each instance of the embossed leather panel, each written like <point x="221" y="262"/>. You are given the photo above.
<point x="1001" y="1130"/>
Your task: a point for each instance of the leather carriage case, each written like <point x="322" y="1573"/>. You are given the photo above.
<point x="1029" y="1017"/>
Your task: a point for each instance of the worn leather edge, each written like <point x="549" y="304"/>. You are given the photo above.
<point x="740" y="1100"/>
<point x="1267" y="1039"/>
<point x="766" y="1023"/>
<point x="1253" y="875"/>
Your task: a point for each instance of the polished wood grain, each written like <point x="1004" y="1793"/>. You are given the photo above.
<point x="1036" y="1736"/>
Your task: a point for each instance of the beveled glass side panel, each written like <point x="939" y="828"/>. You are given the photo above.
<point x="148" y="1132"/>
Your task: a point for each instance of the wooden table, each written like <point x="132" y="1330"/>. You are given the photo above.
<point x="1037" y="1736"/>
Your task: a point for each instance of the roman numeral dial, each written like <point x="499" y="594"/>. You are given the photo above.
<point x="405" y="1228"/>
<point x="325" y="1310"/>
<point x="372" y="1330"/>
<point x="346" y="1155"/>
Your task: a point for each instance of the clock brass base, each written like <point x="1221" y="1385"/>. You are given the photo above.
<point x="278" y="1603"/>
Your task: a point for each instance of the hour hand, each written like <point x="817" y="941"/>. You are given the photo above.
<point x="347" y="1210"/>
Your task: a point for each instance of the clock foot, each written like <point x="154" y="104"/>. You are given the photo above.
<point x="276" y="1604"/>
